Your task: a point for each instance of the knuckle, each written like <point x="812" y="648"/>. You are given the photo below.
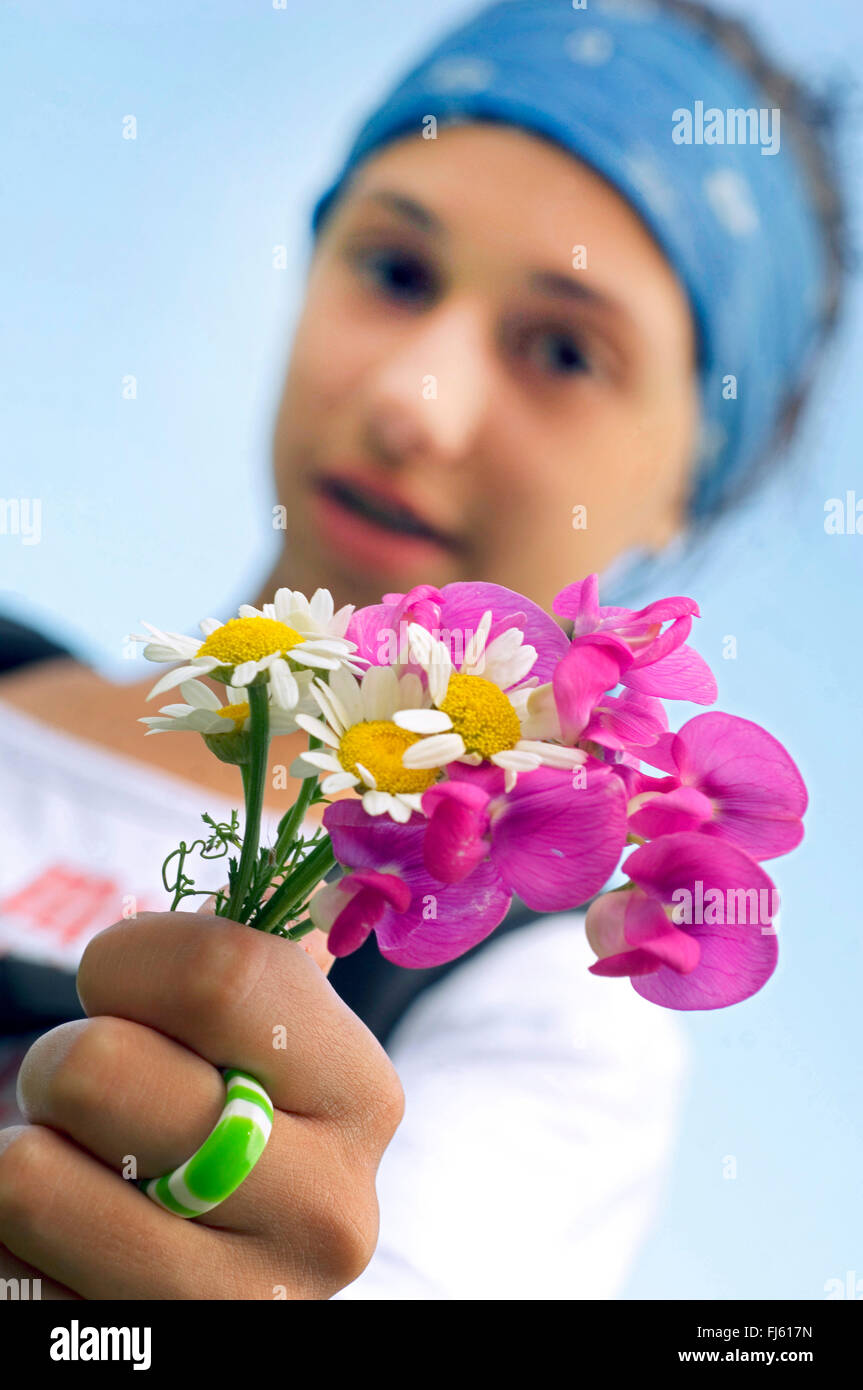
<point x="358" y="1238"/>
<point x="100" y="946"/>
<point x="342" y="1231"/>
<point x="215" y="981"/>
<point x="90" y="1066"/>
<point x="325" y="1236"/>
<point x="378" y="1102"/>
<point x="390" y="1100"/>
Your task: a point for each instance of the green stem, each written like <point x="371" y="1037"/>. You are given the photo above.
<point x="296" y="888"/>
<point x="254" y="779"/>
<point x="301" y="929"/>
<point x="293" y="818"/>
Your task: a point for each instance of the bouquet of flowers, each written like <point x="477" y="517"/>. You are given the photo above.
<point x="490" y="755"/>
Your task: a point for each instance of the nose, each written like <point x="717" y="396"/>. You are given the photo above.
<point x="427" y="398"/>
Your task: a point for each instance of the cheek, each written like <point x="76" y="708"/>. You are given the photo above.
<point x="549" y="458"/>
<point x="324" y="359"/>
<point x="595" y="470"/>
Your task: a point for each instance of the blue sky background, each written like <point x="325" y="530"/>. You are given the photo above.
<point x="154" y="257"/>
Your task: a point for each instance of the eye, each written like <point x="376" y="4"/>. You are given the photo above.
<point x="398" y="274"/>
<point x="556" y="351"/>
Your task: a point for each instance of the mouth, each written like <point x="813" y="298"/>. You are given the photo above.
<point x="382" y="509"/>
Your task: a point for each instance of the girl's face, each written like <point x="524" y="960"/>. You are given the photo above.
<point x="493" y="376"/>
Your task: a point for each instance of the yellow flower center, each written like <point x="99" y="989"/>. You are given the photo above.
<point x="379" y="744"/>
<point x="248" y="639"/>
<point x="238" y="713"/>
<point x="482" y="714"/>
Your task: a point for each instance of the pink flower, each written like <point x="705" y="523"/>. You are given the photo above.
<point x="453" y="614"/>
<point x="618" y="721"/>
<point x="418" y="920"/>
<point x="695" y="931"/>
<point x="729" y="778"/>
<point x="551" y="840"/>
<point x="650" y="660"/>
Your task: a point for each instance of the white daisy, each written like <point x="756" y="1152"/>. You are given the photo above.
<point x="205" y="713"/>
<point x="478" y="717"/>
<point x="364" y="745"/>
<point x="260" y="643"/>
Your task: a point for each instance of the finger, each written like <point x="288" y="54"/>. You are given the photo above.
<point x="64" y="1213"/>
<point x="29" y="1282"/>
<point x="124" y="1092"/>
<point x="314" y="943"/>
<point x="239" y="998"/>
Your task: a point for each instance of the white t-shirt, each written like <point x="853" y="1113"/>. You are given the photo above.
<point x="541" y="1101"/>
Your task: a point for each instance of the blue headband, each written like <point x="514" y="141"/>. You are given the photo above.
<point x="613" y="83"/>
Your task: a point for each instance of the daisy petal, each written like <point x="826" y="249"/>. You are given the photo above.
<point x="323" y="760"/>
<point x="338" y="782"/>
<point x="410" y="692"/>
<point x="345" y="693"/>
<point x="474" y="662"/>
<point x="245" y="673"/>
<point x="331" y="707"/>
<point x="301" y="769"/>
<point x="433" y="751"/>
<point x="423" y="721"/>
<point x="200" y="695"/>
<point x="320" y="663"/>
<point x="379" y="692"/>
<point x="512" y="758"/>
<point x="283" y="684"/>
<point x="339" y="621"/>
<point x="317" y="728"/>
<point x="171" y="679"/>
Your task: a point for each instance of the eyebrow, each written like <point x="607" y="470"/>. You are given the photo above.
<point x="548" y="282"/>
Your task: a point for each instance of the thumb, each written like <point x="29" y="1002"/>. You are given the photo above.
<point x="314" y="943"/>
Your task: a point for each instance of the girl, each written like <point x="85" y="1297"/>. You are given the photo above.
<point x="551" y="327"/>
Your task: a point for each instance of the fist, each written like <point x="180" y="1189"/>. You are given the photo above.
<point x="134" y="1089"/>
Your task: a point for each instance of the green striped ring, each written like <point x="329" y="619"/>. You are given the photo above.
<point x="226" y="1157"/>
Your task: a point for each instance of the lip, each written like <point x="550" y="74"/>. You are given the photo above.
<point x="375" y="488"/>
<point x="363" y="539"/>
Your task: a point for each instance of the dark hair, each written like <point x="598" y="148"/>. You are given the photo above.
<point x="813" y="118"/>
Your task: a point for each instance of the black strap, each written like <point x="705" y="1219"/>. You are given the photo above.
<point x="22" y="646"/>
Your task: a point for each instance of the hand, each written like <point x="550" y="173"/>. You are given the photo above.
<point x="171" y="997"/>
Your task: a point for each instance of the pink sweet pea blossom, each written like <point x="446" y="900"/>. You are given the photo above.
<point x="551" y="840"/>
<point x="418" y="920"/>
<point x="695" y="930"/>
<point x="618" y="721"/>
<point x="453" y="614"/>
<point x="650" y="660"/>
<point x="730" y="779"/>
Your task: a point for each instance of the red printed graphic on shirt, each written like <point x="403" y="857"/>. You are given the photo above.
<point x="66" y="903"/>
